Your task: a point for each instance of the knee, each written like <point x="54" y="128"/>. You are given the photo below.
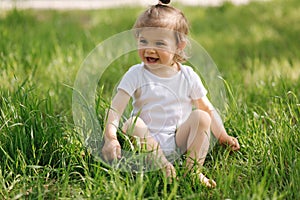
<point x="135" y="126"/>
<point x="202" y="119"/>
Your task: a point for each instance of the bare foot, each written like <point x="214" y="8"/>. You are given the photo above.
<point x="207" y="182"/>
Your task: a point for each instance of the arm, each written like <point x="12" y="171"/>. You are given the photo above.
<point x="217" y="126"/>
<point x="112" y="149"/>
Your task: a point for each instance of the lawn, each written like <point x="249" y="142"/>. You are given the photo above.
<point x="256" y="48"/>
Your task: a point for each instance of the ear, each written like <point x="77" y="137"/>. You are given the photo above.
<point x="181" y="45"/>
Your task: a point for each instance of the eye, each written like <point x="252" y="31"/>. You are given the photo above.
<point x="160" y="44"/>
<point x="143" y="42"/>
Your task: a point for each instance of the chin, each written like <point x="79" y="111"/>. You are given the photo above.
<point x="153" y="65"/>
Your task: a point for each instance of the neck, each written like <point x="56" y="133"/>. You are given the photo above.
<point x="163" y="71"/>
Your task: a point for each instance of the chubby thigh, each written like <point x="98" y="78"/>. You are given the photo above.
<point x="196" y="127"/>
<point x="136" y="127"/>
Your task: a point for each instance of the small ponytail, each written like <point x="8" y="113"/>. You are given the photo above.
<point x="164" y="1"/>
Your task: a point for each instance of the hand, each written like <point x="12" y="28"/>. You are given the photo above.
<point x="232" y="142"/>
<point x="170" y="172"/>
<point x="111" y="150"/>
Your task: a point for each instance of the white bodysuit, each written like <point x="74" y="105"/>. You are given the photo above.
<point x="162" y="103"/>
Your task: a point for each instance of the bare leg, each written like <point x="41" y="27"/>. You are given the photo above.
<point x="135" y="126"/>
<point x="193" y="137"/>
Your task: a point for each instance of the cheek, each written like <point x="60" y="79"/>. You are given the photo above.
<point x="166" y="55"/>
<point x="141" y="53"/>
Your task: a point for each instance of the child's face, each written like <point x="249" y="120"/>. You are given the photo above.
<point x="157" y="46"/>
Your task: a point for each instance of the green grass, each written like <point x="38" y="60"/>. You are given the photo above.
<point x="256" y="48"/>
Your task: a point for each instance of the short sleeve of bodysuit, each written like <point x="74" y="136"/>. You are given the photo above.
<point x="130" y="81"/>
<point x="197" y="89"/>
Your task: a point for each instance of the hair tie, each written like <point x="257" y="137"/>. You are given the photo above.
<point x="164" y="1"/>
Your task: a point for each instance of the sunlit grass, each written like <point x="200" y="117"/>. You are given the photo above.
<point x="256" y="49"/>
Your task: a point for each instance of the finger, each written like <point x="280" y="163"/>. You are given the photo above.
<point x="118" y="152"/>
<point x="236" y="145"/>
<point x="113" y="154"/>
<point x="105" y="157"/>
<point x="104" y="154"/>
<point x="108" y="155"/>
<point x="232" y="143"/>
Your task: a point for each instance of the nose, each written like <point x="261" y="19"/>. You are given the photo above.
<point x="150" y="50"/>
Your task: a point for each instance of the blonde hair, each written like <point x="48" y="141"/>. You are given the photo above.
<point x="165" y="16"/>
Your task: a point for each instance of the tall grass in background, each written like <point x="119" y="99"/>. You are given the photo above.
<point x="256" y="48"/>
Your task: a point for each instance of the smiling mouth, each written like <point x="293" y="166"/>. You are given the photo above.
<point x="151" y="59"/>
